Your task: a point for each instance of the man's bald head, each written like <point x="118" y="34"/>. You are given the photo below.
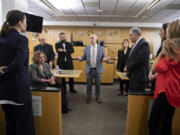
<point x="93" y="39"/>
<point x="42" y="40"/>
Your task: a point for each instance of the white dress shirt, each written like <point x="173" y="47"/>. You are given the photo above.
<point x="95" y="54"/>
<point x="64" y="47"/>
<point x="9" y="102"/>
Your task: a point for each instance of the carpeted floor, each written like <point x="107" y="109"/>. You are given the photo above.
<point x="108" y="118"/>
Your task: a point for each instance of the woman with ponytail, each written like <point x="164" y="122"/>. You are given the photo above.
<point x="167" y="89"/>
<point x="15" y="94"/>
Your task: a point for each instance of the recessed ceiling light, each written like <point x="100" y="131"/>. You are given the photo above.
<point x="99" y="10"/>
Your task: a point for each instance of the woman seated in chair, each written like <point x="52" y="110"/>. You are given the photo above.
<point x="41" y="76"/>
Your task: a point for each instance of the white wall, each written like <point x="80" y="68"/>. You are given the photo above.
<point x="0" y="13"/>
<point x="21" y="5"/>
<point x="102" y="24"/>
<point x="157" y="42"/>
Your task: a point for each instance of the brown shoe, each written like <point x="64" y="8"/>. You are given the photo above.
<point x="98" y="100"/>
<point x="88" y="100"/>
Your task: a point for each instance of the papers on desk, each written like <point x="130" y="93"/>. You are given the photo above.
<point x="124" y="74"/>
<point x="37" y="106"/>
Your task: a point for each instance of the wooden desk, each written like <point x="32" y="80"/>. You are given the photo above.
<point x="50" y="122"/>
<point x="137" y="116"/>
<point x="107" y="76"/>
<point x="122" y="75"/>
<point x="67" y="73"/>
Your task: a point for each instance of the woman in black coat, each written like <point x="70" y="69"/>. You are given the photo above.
<point x="122" y="59"/>
<point x="15" y="93"/>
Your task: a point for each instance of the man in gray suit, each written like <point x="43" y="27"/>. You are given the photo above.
<point x="94" y="55"/>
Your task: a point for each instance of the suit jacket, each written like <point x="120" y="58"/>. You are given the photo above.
<point x="14" y="53"/>
<point x="87" y="56"/>
<point x="36" y="74"/>
<point x="138" y="62"/>
<point x="61" y="55"/>
<point x="122" y="59"/>
<point x="48" y="50"/>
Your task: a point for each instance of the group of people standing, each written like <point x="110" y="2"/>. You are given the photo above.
<point x="15" y="93"/>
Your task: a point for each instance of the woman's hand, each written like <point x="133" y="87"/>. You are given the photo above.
<point x="1" y="69"/>
<point x="152" y="76"/>
<point x="51" y="81"/>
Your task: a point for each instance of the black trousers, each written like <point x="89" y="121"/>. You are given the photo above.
<point x="19" y="119"/>
<point x="162" y="112"/>
<point x="122" y="83"/>
<point x="67" y="66"/>
<point x="63" y="92"/>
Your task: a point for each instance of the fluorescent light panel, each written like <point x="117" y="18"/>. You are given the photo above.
<point x="148" y="7"/>
<point x="65" y="4"/>
<point x="48" y="4"/>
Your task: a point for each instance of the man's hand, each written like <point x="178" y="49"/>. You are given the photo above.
<point x="1" y="69"/>
<point x="125" y="69"/>
<point x="78" y="57"/>
<point x="106" y="58"/>
<point x="61" y="50"/>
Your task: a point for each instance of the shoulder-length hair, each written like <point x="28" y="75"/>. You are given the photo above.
<point x="36" y="56"/>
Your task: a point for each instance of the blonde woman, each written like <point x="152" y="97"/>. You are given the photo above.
<point x="167" y="90"/>
<point x="41" y="76"/>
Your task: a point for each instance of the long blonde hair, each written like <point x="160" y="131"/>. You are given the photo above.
<point x="171" y="47"/>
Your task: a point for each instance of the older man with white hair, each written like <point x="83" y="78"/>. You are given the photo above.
<point x="47" y="49"/>
<point x="94" y="55"/>
<point x="138" y="61"/>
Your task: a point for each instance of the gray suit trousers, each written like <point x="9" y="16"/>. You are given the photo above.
<point x="90" y="76"/>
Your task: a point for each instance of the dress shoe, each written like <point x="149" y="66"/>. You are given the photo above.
<point x="69" y="109"/>
<point x="73" y="91"/>
<point x="98" y="100"/>
<point x="119" y="93"/>
<point x="64" y="111"/>
<point x="88" y="100"/>
<point x="125" y="93"/>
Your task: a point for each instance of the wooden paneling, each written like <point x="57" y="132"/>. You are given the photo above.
<point x="113" y="37"/>
<point x="107" y="76"/>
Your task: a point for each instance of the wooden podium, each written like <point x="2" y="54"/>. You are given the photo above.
<point x="138" y="114"/>
<point x="139" y="111"/>
<point x="50" y="121"/>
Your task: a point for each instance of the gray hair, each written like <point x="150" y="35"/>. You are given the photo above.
<point x="61" y="33"/>
<point x="136" y="30"/>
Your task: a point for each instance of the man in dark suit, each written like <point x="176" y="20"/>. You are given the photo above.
<point x="47" y="49"/>
<point x="64" y="50"/>
<point x="138" y="61"/>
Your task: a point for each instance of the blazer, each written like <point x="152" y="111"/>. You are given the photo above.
<point x="138" y="62"/>
<point x="36" y="74"/>
<point x="61" y="55"/>
<point x="87" y="56"/>
<point x="14" y="53"/>
<point x="48" y="50"/>
<point x="122" y="59"/>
